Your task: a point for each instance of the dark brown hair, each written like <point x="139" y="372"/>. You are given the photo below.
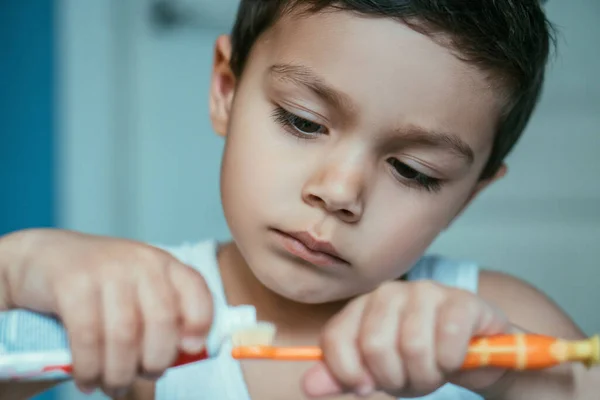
<point x="511" y="39"/>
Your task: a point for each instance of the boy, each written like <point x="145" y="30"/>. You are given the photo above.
<point x="356" y="131"/>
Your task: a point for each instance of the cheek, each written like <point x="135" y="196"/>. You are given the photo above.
<point x="260" y="174"/>
<point x="400" y="224"/>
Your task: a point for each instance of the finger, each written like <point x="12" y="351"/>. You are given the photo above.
<point x="417" y="339"/>
<point x="122" y="335"/>
<point x="457" y="324"/>
<point x="491" y="321"/>
<point x="461" y="318"/>
<point x="195" y="305"/>
<point x="464" y="316"/>
<point x="157" y="299"/>
<point x="318" y="382"/>
<point x="455" y="328"/>
<point x="115" y="394"/>
<point x="79" y="308"/>
<point x="341" y="355"/>
<point x="378" y="338"/>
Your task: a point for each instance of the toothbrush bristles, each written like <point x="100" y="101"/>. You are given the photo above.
<point x="261" y="334"/>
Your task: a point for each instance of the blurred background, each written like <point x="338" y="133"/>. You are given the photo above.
<point x="104" y="128"/>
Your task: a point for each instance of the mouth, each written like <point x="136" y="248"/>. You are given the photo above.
<point x="306" y="247"/>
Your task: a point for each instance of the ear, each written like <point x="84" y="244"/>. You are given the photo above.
<point x="481" y="185"/>
<point x="222" y="87"/>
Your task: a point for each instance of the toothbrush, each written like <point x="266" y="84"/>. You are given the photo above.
<point x="511" y="351"/>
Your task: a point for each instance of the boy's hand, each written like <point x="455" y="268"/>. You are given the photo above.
<point x="406" y="339"/>
<point x="127" y="307"/>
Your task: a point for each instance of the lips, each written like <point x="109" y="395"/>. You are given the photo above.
<point x="303" y="245"/>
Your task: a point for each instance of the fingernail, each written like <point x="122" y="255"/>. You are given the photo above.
<point x="192" y="345"/>
<point x="365" y="390"/>
<point x="86" y="390"/>
<point x="318" y="382"/>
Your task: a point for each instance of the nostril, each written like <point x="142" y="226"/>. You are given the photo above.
<point x="315" y="199"/>
<point x="346" y="213"/>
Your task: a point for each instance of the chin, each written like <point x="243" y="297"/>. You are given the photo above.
<point x="304" y="287"/>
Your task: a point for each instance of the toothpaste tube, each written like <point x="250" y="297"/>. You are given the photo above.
<point x="35" y="346"/>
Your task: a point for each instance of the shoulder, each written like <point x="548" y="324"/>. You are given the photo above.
<point x="526" y="306"/>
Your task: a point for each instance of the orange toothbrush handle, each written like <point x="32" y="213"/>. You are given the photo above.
<point x="529" y="352"/>
<point x="306" y="353"/>
<point x="516" y="352"/>
<point x="511" y="351"/>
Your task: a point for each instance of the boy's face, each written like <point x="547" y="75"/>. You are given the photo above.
<point x="355" y="131"/>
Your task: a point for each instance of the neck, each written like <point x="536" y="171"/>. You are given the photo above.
<point x="295" y="321"/>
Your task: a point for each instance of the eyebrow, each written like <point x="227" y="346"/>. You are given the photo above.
<point x="301" y="75"/>
<point x="426" y="137"/>
<point x="304" y="76"/>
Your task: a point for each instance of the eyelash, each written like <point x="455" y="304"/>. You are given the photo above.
<point x="289" y="121"/>
<point x="424" y="181"/>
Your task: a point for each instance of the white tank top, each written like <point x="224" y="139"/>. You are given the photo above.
<point x="222" y="378"/>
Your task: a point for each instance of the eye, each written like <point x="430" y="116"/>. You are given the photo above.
<point x="407" y="173"/>
<point x="297" y="125"/>
<point x="305" y="126"/>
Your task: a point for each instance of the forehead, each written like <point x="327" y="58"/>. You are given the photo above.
<point x="393" y="74"/>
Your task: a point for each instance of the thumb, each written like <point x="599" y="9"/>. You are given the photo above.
<point x="318" y="382"/>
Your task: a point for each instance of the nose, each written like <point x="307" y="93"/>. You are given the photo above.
<point x="336" y="191"/>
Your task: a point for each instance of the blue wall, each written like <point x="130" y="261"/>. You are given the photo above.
<point x="26" y="116"/>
